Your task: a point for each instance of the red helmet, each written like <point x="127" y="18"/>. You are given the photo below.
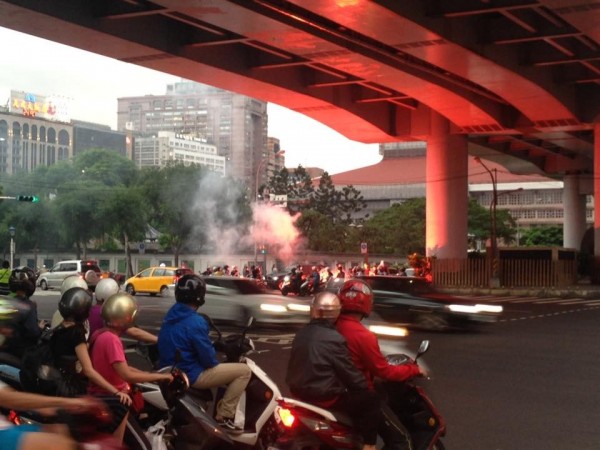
<point x="356" y="296"/>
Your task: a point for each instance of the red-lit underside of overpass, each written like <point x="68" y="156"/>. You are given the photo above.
<point x="518" y="77"/>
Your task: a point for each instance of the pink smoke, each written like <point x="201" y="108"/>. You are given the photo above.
<point x="276" y="228"/>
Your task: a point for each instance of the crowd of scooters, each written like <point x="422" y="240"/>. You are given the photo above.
<point x="145" y="410"/>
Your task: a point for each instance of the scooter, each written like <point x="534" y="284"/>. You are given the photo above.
<point x="83" y="427"/>
<point x="255" y="412"/>
<point x="302" y="425"/>
<point x="289" y="287"/>
<point x="183" y="424"/>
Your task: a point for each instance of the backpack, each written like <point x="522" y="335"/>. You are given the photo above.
<point x="38" y="371"/>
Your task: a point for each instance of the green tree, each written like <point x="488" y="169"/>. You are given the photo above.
<point x="551" y="236"/>
<point x="398" y="229"/>
<point x="122" y="216"/>
<point x="171" y="193"/>
<point x="76" y="209"/>
<point x="480" y="223"/>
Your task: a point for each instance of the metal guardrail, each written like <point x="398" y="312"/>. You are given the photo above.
<point x="512" y="273"/>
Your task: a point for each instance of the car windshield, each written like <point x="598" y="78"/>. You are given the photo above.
<point x="243" y="286"/>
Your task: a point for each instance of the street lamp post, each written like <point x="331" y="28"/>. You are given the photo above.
<point x="11" y="231"/>
<point x="495" y="279"/>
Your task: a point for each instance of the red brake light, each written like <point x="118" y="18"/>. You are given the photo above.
<point x="286" y="416"/>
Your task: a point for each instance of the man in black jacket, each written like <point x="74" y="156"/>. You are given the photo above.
<point x="321" y="371"/>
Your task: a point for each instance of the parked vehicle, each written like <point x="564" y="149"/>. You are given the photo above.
<point x="414" y="302"/>
<point x="155" y="280"/>
<point x="235" y="300"/>
<point x="54" y="277"/>
<point x="302" y="425"/>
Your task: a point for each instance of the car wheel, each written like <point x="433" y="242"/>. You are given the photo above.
<point x="164" y="291"/>
<point x="284" y="291"/>
<point x="432" y="322"/>
<point x="44" y="285"/>
<point x="129" y="289"/>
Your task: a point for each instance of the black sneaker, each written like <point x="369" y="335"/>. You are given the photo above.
<point x="229" y="426"/>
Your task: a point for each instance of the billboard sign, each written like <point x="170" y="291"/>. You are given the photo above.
<point x="33" y="105"/>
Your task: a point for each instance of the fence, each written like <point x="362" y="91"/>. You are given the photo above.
<point x="513" y="273"/>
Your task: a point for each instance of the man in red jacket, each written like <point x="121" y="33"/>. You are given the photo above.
<point x="357" y="302"/>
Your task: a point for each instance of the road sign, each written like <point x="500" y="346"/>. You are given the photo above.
<point x="363" y="247"/>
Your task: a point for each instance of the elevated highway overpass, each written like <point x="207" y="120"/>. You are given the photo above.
<point x="516" y="81"/>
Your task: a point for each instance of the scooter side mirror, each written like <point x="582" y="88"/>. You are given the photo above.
<point x="422" y="349"/>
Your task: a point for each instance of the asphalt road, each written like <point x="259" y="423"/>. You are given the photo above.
<point x="527" y="382"/>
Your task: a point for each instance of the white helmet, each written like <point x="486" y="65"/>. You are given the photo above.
<point x="72" y="281"/>
<point x="105" y="288"/>
<point x="91" y="278"/>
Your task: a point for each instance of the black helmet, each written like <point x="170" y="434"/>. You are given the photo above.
<point x="75" y="304"/>
<point x="190" y="289"/>
<point x="22" y="279"/>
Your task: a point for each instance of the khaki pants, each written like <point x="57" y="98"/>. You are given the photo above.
<point x="235" y="375"/>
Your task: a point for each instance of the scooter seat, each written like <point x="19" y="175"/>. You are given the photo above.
<point x="204" y="395"/>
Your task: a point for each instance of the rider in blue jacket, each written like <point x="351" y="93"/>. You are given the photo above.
<point x="185" y="331"/>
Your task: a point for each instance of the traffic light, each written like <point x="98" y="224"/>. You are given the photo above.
<point x="28" y="198"/>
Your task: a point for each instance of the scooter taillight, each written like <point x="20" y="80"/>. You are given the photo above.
<point x="286" y="417"/>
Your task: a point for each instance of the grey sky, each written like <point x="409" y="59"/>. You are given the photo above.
<point x="95" y="82"/>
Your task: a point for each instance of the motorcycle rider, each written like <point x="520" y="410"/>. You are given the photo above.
<point x="26" y="328"/>
<point x="315" y="279"/>
<point x="320" y="370"/>
<point x="70" y="350"/>
<point x="184" y="331"/>
<point x="108" y="358"/>
<point x="104" y="289"/>
<point x="34" y="437"/>
<point x="357" y="302"/>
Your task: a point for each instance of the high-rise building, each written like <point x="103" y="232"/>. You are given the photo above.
<point x="236" y="124"/>
<point x="169" y="146"/>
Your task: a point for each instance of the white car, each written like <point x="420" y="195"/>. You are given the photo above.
<point x="54" y="277"/>
<point x="235" y="299"/>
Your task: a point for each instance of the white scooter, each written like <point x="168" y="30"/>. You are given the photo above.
<point x="255" y="412"/>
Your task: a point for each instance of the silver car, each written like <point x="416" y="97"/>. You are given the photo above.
<point x="54" y="277"/>
<point x="235" y="299"/>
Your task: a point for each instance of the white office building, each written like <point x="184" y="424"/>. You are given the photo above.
<point x="166" y="146"/>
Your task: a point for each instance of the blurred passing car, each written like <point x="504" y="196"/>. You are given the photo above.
<point x="155" y="280"/>
<point x="415" y="303"/>
<point x="235" y="299"/>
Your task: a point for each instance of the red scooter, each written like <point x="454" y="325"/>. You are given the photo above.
<point x="302" y="425"/>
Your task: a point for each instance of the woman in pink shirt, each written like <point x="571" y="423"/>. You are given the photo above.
<point x="108" y="356"/>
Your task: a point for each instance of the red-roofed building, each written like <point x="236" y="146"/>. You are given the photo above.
<point x="532" y="200"/>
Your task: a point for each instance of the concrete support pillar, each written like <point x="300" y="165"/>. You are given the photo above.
<point x="574" y="222"/>
<point x="447" y="191"/>
<point x="596" y="269"/>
